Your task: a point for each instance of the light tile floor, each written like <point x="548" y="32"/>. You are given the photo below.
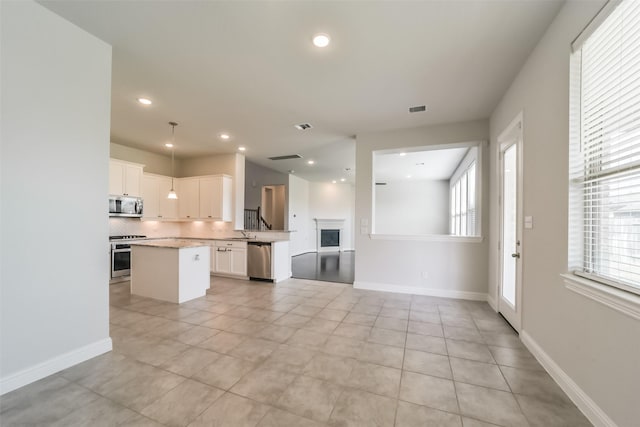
<point x="300" y="353"/>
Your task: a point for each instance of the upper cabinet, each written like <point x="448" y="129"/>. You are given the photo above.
<point x="199" y="198"/>
<point x="125" y="178"/>
<point x="205" y="198"/>
<point x="188" y="190"/>
<point x="215" y="197"/>
<point x="157" y="206"/>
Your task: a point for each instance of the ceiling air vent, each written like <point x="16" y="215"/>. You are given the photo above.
<point x="290" y="156"/>
<point x="418" y="109"/>
<point x="303" y="126"/>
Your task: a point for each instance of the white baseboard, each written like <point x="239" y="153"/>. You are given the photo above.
<point x="445" y="293"/>
<point x="586" y="405"/>
<point x="56" y="364"/>
<point x="492" y="303"/>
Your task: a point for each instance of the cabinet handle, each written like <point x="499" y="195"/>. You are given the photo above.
<point x="210" y="216"/>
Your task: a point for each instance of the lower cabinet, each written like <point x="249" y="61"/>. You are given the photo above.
<point x="229" y="258"/>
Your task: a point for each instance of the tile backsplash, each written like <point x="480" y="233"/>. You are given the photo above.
<point x="124" y="226"/>
<point x="200" y="229"/>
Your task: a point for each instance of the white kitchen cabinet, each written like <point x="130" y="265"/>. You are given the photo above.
<point x="125" y="178"/>
<point x="229" y="258"/>
<point x="157" y="206"/>
<point x="215" y="197"/>
<point x="188" y="190"/>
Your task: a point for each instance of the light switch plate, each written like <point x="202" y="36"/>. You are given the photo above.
<point x="528" y="222"/>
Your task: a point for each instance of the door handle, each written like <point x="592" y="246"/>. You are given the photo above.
<point x="516" y="255"/>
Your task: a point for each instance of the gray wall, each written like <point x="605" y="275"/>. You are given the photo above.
<point x="597" y="347"/>
<point x="451" y="268"/>
<point x="255" y="177"/>
<point x="56" y="95"/>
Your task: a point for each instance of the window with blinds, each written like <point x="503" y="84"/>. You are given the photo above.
<point x="463" y="203"/>
<point x="605" y="150"/>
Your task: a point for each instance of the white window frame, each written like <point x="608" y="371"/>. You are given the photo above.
<point x="615" y="293"/>
<point x="460" y="222"/>
<point x="479" y="146"/>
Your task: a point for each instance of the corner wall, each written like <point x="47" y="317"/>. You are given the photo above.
<point x="454" y="269"/>
<point x="56" y="99"/>
<point x="592" y="350"/>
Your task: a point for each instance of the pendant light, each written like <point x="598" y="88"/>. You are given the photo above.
<point x="172" y="194"/>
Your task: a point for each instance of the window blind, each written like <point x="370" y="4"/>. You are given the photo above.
<point x="605" y="151"/>
<point x="463" y="203"/>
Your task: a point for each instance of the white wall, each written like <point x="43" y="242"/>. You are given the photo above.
<point x="412" y="207"/>
<point x="451" y="268"/>
<point x="597" y="347"/>
<point x="56" y="91"/>
<point x="331" y="201"/>
<point x="298" y="198"/>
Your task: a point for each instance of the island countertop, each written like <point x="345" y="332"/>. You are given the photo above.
<point x="208" y="240"/>
<point x="170" y="243"/>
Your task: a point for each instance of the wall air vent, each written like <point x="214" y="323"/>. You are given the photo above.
<point x="290" y="156"/>
<point x="381" y="183"/>
<point x="303" y="126"/>
<point x="418" y="109"/>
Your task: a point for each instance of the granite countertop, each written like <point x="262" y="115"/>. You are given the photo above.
<point x="226" y="239"/>
<point x="170" y="243"/>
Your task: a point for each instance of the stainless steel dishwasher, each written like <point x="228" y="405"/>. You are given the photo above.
<point x="259" y="260"/>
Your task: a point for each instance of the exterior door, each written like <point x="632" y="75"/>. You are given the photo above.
<point x="510" y="273"/>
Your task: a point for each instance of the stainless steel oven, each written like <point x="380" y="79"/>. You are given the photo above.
<point x="121" y="255"/>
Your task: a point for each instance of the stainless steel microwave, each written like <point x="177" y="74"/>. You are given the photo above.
<point x="125" y="206"/>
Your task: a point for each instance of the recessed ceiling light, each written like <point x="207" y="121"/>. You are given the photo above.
<point x="310" y="162"/>
<point x="144" y="101"/>
<point x="168" y="145"/>
<point x="334" y="181"/>
<point x="342" y="179"/>
<point x="224" y="136"/>
<point x="403" y="154"/>
<point x="242" y="148"/>
<point x="408" y="176"/>
<point x="321" y="40"/>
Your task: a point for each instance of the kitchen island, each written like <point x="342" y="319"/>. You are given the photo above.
<point x="173" y="270"/>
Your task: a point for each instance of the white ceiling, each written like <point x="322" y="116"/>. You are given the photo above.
<point x="249" y="68"/>
<point x="418" y="165"/>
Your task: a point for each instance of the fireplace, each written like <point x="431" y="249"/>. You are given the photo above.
<point x="329" y="238"/>
<point x="329" y="235"/>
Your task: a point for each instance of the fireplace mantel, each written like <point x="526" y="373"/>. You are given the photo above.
<point x="329" y="224"/>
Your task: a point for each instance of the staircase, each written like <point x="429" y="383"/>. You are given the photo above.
<point x="254" y="221"/>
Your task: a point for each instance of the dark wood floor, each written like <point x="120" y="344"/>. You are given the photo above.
<point x="327" y="266"/>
